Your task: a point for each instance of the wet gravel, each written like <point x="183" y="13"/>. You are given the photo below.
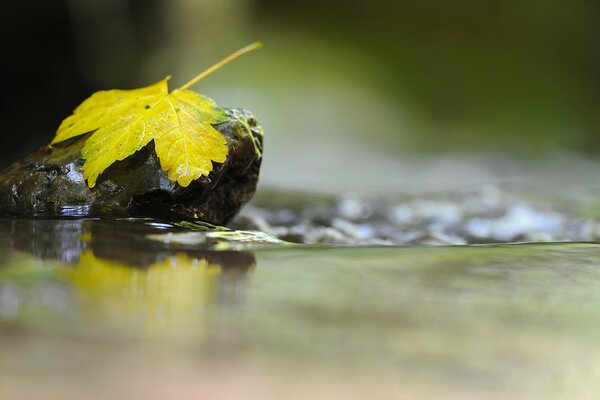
<point x="483" y="215"/>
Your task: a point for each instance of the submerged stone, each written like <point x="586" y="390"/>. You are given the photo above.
<point x="49" y="182"/>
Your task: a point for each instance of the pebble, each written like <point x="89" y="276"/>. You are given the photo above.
<point x="483" y="215"/>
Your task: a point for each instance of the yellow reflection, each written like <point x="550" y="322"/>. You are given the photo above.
<point x="173" y="297"/>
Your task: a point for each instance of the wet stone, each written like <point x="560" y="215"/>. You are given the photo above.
<point x="49" y="182"/>
<point x="487" y="214"/>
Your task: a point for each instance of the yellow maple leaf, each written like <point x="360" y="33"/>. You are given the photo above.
<point x="124" y="121"/>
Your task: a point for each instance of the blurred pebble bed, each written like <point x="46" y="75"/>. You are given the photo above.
<point x="483" y="215"/>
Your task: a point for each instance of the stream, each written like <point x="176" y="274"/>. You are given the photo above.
<point x="141" y="308"/>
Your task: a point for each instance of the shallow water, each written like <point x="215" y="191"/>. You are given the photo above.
<point x="147" y="309"/>
<point x="476" y="215"/>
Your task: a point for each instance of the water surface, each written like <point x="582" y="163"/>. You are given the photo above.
<point x="141" y="308"/>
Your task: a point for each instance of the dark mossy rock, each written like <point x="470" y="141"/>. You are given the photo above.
<point x="49" y="181"/>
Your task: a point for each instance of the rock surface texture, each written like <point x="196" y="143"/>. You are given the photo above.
<point x="49" y="181"/>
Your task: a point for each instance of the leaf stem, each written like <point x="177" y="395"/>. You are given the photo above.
<point x="226" y="60"/>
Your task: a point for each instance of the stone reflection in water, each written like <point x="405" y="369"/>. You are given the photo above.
<point x="46" y="239"/>
<point x="108" y="275"/>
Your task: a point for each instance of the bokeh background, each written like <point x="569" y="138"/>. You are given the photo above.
<point x="353" y="95"/>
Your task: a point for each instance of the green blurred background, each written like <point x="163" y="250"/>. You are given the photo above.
<point x="340" y="86"/>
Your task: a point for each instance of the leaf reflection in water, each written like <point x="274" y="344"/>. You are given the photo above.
<point x="172" y="297"/>
<point x="115" y="280"/>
